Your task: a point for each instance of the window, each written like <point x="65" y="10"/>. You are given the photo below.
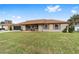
<point x="45" y="26"/>
<point x="57" y="26"/>
<point x="17" y="27"/>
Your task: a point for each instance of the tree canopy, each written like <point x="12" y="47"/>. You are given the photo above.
<point x="74" y="19"/>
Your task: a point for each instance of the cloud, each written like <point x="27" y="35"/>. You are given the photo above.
<point x="13" y="16"/>
<point x="18" y="17"/>
<point x="53" y="8"/>
<point x="74" y="11"/>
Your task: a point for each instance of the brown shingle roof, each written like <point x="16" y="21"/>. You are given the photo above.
<point x="43" y="21"/>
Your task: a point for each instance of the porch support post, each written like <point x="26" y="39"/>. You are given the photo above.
<point x="23" y="28"/>
<point x="12" y="27"/>
<point x="40" y="28"/>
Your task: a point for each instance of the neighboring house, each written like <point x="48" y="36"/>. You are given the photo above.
<point x="76" y="27"/>
<point x="6" y="25"/>
<point x="49" y="25"/>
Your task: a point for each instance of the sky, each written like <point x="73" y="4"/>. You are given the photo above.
<point x="23" y="12"/>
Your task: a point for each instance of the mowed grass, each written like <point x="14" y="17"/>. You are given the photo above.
<point x="39" y="43"/>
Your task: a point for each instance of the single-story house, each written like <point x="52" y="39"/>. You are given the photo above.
<point x="49" y="25"/>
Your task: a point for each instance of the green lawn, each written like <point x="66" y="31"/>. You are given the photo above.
<point x="39" y="42"/>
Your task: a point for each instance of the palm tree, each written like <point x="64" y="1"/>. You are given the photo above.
<point x="73" y="20"/>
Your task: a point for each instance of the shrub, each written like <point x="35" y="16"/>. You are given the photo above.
<point x="71" y="29"/>
<point x="10" y="28"/>
<point x="65" y="30"/>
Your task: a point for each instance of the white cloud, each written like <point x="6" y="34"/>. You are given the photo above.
<point x="74" y="11"/>
<point x="18" y="17"/>
<point x="13" y="16"/>
<point x="53" y="8"/>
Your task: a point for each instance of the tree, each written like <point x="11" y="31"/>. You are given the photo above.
<point x="70" y="29"/>
<point x="10" y="28"/>
<point x="72" y="21"/>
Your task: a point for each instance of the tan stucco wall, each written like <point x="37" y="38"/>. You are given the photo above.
<point x="40" y="28"/>
<point x="63" y="26"/>
<point x="51" y="28"/>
